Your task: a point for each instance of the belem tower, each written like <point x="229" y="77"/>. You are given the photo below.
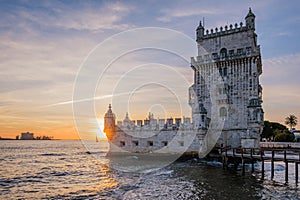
<point x="225" y="98"/>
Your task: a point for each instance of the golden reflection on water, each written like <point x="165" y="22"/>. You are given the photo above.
<point x="106" y="181"/>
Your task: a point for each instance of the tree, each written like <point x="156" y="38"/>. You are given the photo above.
<point x="284" y="136"/>
<point x="267" y="131"/>
<point x="291" y="121"/>
<point x="271" y="128"/>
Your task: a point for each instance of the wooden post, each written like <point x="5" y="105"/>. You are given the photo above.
<point x="272" y="164"/>
<point x="243" y="167"/>
<point x="226" y="159"/>
<point x="262" y="165"/>
<point x="223" y="157"/>
<point x="286" y="168"/>
<point x="243" y="163"/>
<point x="252" y="161"/>
<point x="235" y="160"/>
<point x="223" y="161"/>
<point x="296" y="172"/>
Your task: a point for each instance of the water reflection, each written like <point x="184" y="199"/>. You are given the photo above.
<point x="64" y="170"/>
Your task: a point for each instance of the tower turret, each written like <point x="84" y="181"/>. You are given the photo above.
<point x="250" y="20"/>
<point x="200" y="32"/>
<point x="109" y="123"/>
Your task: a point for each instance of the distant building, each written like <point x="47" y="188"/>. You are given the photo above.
<point x="296" y="133"/>
<point x="27" y="136"/>
<point x="17" y="137"/>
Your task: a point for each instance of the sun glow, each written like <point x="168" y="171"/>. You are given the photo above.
<point x="100" y="127"/>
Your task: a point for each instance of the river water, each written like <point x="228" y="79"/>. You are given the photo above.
<point x="68" y="170"/>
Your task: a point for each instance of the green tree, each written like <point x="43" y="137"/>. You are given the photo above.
<point x="271" y="128"/>
<point x="291" y="121"/>
<point x="284" y="136"/>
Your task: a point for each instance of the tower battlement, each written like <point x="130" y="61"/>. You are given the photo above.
<point x="217" y="32"/>
<point x="249" y="26"/>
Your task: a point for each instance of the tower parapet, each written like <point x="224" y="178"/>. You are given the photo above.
<point x="227" y="30"/>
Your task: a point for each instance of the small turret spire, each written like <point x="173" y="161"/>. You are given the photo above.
<point x="250" y="20"/>
<point x="250" y="13"/>
<point x="200" y="31"/>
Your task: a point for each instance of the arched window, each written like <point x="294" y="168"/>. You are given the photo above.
<point x="225" y="71"/>
<point x="223" y="52"/>
<point x="223" y="112"/>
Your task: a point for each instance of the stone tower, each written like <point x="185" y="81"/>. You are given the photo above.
<point x="109" y="123"/>
<point x="226" y="82"/>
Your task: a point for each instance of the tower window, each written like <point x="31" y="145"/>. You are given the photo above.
<point x="150" y="143"/>
<point x="181" y="143"/>
<point x="223" y="53"/>
<point x="223" y="112"/>
<point x="225" y="71"/>
<point x="164" y="143"/>
<point x="122" y="143"/>
<point x="248" y="50"/>
<point x="214" y="55"/>
<point x="206" y="57"/>
<point x="136" y="143"/>
<point x="240" y="51"/>
<point x="220" y="71"/>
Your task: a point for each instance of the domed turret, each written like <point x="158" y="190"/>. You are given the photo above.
<point x="200" y="32"/>
<point x="250" y="20"/>
<point x="109" y="123"/>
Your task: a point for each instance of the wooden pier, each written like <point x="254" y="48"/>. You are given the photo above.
<point x="252" y="155"/>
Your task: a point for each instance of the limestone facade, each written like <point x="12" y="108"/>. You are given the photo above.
<point x="226" y="97"/>
<point x="226" y="82"/>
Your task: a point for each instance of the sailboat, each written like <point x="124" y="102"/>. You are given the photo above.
<point x="97" y="139"/>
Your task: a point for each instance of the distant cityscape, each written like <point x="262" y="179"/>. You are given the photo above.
<point x="29" y="136"/>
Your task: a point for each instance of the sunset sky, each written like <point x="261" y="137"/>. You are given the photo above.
<point x="44" y="44"/>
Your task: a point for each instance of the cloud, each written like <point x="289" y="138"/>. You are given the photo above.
<point x="43" y="44"/>
<point x="170" y="14"/>
<point x="94" y="16"/>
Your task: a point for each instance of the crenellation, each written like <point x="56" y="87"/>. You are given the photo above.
<point x="222" y="32"/>
<point x="152" y="123"/>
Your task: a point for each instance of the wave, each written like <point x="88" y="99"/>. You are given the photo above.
<point x="53" y="154"/>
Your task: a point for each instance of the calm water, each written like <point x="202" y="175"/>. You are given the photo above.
<point x="67" y="170"/>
